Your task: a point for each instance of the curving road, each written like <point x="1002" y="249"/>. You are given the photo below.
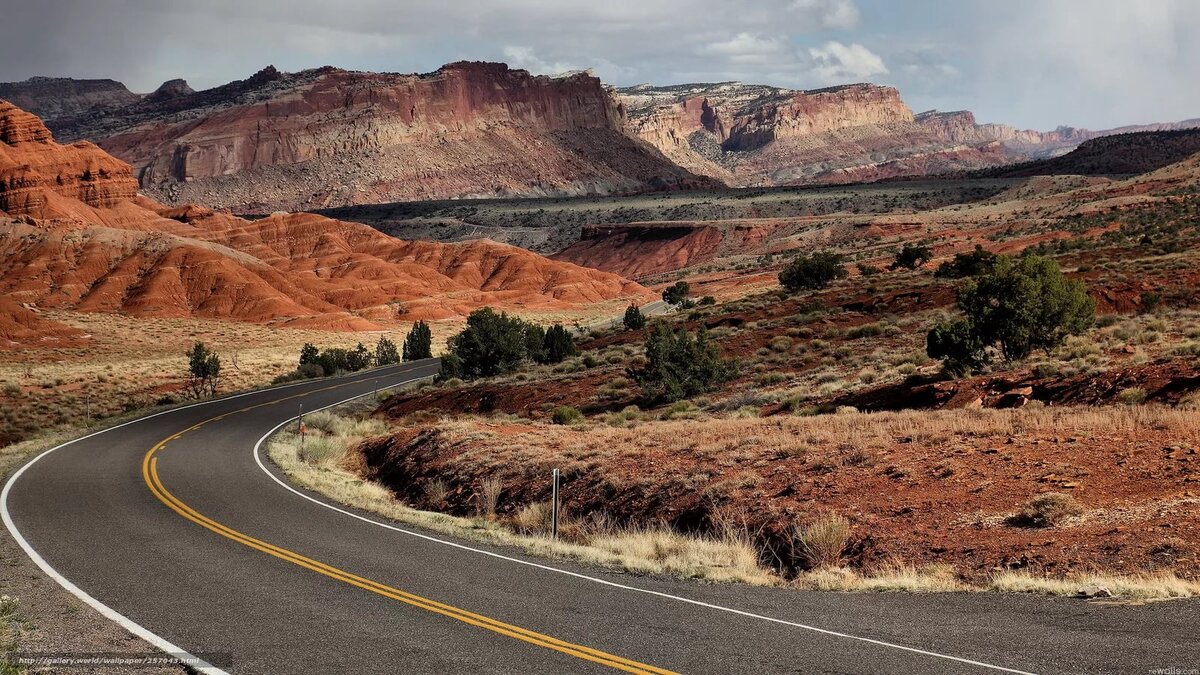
<point x="173" y="526"/>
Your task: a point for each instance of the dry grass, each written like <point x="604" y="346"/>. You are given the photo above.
<point x="896" y="577"/>
<point x="821" y="542"/>
<point x="1165" y="586"/>
<point x="640" y="550"/>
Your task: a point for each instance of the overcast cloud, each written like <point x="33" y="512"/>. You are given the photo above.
<point x="1032" y="63"/>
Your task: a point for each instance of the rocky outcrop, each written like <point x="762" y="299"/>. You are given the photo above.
<point x="60" y="97"/>
<point x="753" y="135"/>
<point x="109" y="250"/>
<point x="330" y="137"/>
<point x="33" y="167"/>
<point x="639" y="250"/>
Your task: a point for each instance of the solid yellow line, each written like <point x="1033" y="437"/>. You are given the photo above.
<point x="150" y="475"/>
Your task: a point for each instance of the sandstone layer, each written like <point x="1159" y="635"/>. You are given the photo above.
<point x="756" y="135"/>
<point x="330" y="137"/>
<point x="67" y="242"/>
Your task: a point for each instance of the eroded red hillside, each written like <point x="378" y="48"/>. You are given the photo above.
<point x="90" y="244"/>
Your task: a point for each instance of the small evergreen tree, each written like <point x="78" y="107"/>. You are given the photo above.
<point x="964" y="265"/>
<point x="309" y="354"/>
<point x="386" y="352"/>
<point x="535" y="341"/>
<point x="1020" y="306"/>
<point x="419" y="342"/>
<point x="359" y="358"/>
<point x="634" y="319"/>
<point x="204" y="371"/>
<point x="912" y="256"/>
<point x="491" y="344"/>
<point x="558" y="345"/>
<point x="677" y="294"/>
<point x="812" y="272"/>
<point x="679" y="364"/>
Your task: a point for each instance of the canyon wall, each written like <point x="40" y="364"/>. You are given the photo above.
<point x="330" y="137"/>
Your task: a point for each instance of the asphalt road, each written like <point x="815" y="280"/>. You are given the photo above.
<point x="195" y="545"/>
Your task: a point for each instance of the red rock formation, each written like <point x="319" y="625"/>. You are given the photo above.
<point x="31" y="164"/>
<point x="638" y="250"/>
<point x="756" y="135"/>
<point x="109" y="251"/>
<point x="330" y="137"/>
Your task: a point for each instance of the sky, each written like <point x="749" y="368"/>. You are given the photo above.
<point x="1030" y="63"/>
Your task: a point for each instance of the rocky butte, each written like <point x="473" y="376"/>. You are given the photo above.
<point x="330" y="137"/>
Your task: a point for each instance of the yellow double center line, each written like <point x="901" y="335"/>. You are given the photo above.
<point x="150" y="475"/>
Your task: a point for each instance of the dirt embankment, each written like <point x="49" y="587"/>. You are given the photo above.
<point x="941" y="487"/>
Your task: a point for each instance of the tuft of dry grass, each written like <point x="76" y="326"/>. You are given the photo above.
<point x="822" y="542"/>
<point x="488" y="498"/>
<point x="1050" y="509"/>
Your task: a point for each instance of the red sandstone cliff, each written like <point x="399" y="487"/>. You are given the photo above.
<point x="331" y="137"/>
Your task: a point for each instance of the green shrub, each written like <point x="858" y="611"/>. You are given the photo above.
<point x="634" y="319"/>
<point x="964" y="265"/>
<point x="565" y="414"/>
<point x="418" y="344"/>
<point x="680" y="364"/>
<point x="386" y="352"/>
<point x="1020" y="306"/>
<point x="912" y="256"/>
<point x="812" y="272"/>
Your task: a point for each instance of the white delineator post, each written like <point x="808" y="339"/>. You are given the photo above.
<point x="554" y="505"/>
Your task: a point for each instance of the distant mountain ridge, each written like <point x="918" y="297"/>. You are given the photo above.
<point x="761" y="135"/>
<point x="329" y="137"/>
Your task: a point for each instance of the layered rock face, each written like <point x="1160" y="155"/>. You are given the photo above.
<point x="32" y="166"/>
<point x="756" y="135"/>
<point x="753" y="135"/>
<point x="330" y="137"/>
<point x="109" y="250"/>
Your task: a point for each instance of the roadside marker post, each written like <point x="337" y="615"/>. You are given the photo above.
<point x="554" y="508"/>
<point x="300" y="426"/>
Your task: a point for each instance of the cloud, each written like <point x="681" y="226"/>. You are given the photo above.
<point x="828" y="13"/>
<point x="747" y="48"/>
<point x="524" y="57"/>
<point x="837" y="63"/>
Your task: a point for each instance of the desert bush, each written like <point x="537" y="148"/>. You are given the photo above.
<point x="822" y="542"/>
<point x="812" y="272"/>
<point x="964" y="265"/>
<point x="677" y="294"/>
<point x="491" y="344"/>
<point x="436" y="492"/>
<point x="566" y="414"/>
<point x="1049" y="510"/>
<point x="912" y="256"/>
<point x="1020" y="306"/>
<point x="386" y="352"/>
<point x="1132" y="395"/>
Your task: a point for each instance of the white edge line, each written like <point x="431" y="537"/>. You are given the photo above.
<point x="125" y="622"/>
<point x="605" y="582"/>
